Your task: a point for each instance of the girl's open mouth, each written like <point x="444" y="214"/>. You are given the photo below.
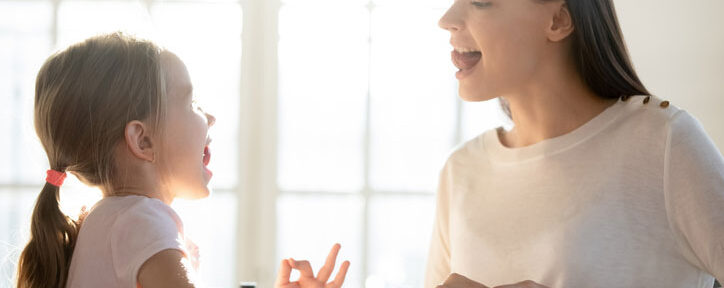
<point x="207" y="156"/>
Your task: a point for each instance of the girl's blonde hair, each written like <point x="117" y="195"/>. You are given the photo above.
<point x="84" y="97"/>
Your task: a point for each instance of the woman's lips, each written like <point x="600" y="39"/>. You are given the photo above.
<point x="465" y="60"/>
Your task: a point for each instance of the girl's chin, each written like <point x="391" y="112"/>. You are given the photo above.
<point x="197" y="193"/>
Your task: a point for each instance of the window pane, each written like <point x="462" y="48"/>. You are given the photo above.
<point x="201" y="1"/>
<point x="478" y="117"/>
<point x="207" y="37"/>
<point x="400" y="230"/>
<point x="322" y="94"/>
<point x="325" y="4"/>
<point x="25" y="38"/>
<point x="413" y="108"/>
<point x="16" y="206"/>
<point x="216" y="242"/>
<point x="308" y="226"/>
<point x="78" y="20"/>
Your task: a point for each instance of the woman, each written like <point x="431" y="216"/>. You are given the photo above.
<point x="598" y="184"/>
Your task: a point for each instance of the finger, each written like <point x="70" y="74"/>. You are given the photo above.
<point x="285" y="271"/>
<point x="305" y="269"/>
<point x="341" y="274"/>
<point x="82" y="215"/>
<point x="457" y="280"/>
<point x="328" y="267"/>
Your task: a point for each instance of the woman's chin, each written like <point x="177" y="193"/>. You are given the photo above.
<point x="475" y="94"/>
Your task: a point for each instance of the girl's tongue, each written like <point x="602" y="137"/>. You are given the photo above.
<point x="465" y="60"/>
<point x="207" y="156"/>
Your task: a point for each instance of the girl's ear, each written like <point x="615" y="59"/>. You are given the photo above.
<point x="561" y="25"/>
<point x="139" y="141"/>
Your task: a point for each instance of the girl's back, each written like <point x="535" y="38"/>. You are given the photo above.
<point x="118" y="236"/>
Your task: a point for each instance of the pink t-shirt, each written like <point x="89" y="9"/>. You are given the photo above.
<point x="118" y="236"/>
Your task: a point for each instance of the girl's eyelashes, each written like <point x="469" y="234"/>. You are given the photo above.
<point x="481" y="4"/>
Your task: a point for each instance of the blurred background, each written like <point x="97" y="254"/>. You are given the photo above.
<point x="334" y="118"/>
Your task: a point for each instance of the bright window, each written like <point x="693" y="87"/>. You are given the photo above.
<point x="367" y="114"/>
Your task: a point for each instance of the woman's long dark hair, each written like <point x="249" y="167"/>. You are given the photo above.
<point x="599" y="51"/>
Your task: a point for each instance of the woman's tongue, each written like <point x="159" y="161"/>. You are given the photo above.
<point x="465" y="60"/>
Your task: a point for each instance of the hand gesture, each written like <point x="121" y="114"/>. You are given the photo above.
<point x="307" y="278"/>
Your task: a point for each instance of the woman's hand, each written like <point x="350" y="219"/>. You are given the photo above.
<point x="307" y="278"/>
<point x="459" y="281"/>
<point x="524" y="284"/>
<point x="456" y="280"/>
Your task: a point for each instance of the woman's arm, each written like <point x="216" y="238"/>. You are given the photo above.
<point x="694" y="193"/>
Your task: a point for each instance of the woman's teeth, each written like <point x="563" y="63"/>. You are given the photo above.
<point x="465" y="50"/>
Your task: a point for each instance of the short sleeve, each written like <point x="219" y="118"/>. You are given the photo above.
<point x="438" y="259"/>
<point x="146" y="228"/>
<point x="694" y="191"/>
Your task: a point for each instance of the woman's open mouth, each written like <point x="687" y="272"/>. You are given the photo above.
<point x="465" y="60"/>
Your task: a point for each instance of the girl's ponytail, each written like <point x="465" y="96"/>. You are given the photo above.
<point x="46" y="259"/>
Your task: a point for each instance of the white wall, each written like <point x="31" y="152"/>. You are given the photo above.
<point x="678" y="50"/>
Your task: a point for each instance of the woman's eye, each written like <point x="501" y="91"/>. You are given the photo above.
<point x="481" y="4"/>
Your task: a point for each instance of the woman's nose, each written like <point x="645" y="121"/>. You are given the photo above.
<point x="451" y="20"/>
<point x="210" y="119"/>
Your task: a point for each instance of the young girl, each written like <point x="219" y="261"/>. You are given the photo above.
<point x="598" y="184"/>
<point x="119" y="114"/>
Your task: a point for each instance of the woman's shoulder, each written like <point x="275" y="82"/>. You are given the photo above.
<point x="471" y="150"/>
<point x="655" y="114"/>
<point x="653" y="109"/>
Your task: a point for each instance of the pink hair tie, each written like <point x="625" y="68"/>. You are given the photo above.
<point x="55" y="178"/>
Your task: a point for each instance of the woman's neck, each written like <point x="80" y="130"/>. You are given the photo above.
<point x="555" y="104"/>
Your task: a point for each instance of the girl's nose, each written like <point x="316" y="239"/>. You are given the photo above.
<point x="451" y="20"/>
<point x="210" y="119"/>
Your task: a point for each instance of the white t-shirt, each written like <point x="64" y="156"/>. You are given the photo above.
<point x="633" y="198"/>
<point x="118" y="236"/>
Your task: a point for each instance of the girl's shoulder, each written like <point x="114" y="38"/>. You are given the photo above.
<point x="133" y="216"/>
<point x="136" y="212"/>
